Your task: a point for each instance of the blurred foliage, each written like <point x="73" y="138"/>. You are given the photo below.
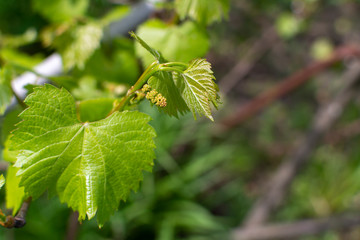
<point x="203" y="185"/>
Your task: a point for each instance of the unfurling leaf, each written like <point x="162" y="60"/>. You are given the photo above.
<point x="197" y="87"/>
<point x="91" y="166"/>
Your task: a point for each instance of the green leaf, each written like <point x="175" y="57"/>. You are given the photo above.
<point x="198" y="88"/>
<point x="14" y="193"/>
<point x="58" y="11"/>
<point x="176" y="43"/>
<point x="203" y="11"/>
<point x="2" y="181"/>
<point x="5" y="89"/>
<point x="78" y="44"/>
<point x="91" y="166"/>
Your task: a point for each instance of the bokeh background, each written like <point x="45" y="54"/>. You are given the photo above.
<point x="207" y="176"/>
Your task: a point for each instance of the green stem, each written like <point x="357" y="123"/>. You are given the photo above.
<point x="170" y="69"/>
<point x="176" y="64"/>
<point x="154" y="67"/>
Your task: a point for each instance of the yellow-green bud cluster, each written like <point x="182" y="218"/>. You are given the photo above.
<point x="151" y="95"/>
<point x="146" y="88"/>
<point x="156" y="98"/>
<point x="159" y="100"/>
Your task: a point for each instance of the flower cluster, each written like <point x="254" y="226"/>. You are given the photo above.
<point x="154" y="96"/>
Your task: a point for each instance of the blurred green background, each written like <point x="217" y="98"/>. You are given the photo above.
<point x="203" y="184"/>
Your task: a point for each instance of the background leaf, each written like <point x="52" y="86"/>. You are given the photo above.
<point x="203" y="11"/>
<point x="5" y="89"/>
<point x="176" y="43"/>
<point x="77" y="44"/>
<point x="58" y="11"/>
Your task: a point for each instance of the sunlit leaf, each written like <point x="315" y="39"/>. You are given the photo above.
<point x="91" y="166"/>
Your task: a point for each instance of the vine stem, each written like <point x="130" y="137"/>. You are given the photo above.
<point x="151" y="69"/>
<point x="19" y="220"/>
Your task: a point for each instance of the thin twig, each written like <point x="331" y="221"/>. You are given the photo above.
<point x="324" y="119"/>
<point x="73" y="226"/>
<point x="19" y="220"/>
<point x="286" y="86"/>
<point x="298" y="229"/>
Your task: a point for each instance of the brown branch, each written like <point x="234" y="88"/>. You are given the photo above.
<point x="324" y="119"/>
<point x="298" y="229"/>
<point x="286" y="86"/>
<point x="73" y="226"/>
<point x="19" y="220"/>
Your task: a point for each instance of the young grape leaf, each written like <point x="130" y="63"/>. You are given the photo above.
<point x="198" y="88"/>
<point x="5" y="89"/>
<point x="163" y="83"/>
<point x="14" y="193"/>
<point x="203" y="11"/>
<point x="91" y="166"/>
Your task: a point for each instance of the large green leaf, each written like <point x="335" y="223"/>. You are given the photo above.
<point x="198" y="88"/>
<point x="203" y="11"/>
<point x="5" y="89"/>
<point x="92" y="166"/>
<point x="176" y="43"/>
<point x="14" y="193"/>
